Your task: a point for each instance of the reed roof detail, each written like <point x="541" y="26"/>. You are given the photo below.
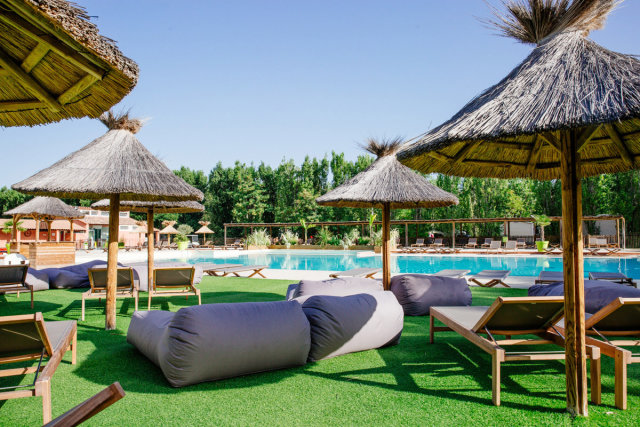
<point x="48" y="207"/>
<point x="158" y="206"/>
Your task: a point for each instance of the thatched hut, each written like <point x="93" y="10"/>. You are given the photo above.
<point x="56" y="65"/>
<point x="151" y="208"/>
<point x="570" y="109"/>
<point x="387" y="184"/>
<point x="116" y="165"/>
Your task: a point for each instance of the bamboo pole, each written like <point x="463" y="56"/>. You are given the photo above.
<point x="386" y="245"/>
<point x="112" y="261"/>
<point x="576" y="372"/>
<point x="150" y="248"/>
<point x="453" y="235"/>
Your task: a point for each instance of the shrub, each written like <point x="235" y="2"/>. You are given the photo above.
<point x="259" y="237"/>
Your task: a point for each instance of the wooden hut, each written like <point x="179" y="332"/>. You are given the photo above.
<point x="55" y="64"/>
<point x="387" y="184"/>
<point x="571" y="109"/>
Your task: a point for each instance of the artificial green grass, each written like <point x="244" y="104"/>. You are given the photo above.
<point x="413" y="383"/>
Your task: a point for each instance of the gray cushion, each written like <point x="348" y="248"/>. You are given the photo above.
<point x="336" y="287"/>
<point x="341" y="325"/>
<point x="597" y="293"/>
<point x="38" y="279"/>
<point x="418" y="292"/>
<point x="215" y="341"/>
<point x="140" y="274"/>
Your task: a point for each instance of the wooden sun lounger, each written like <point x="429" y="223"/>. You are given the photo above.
<point x="471" y="243"/>
<point x="452" y="273"/>
<point x="125" y="286"/>
<point x="547" y="277"/>
<point x="487" y="242"/>
<point x="206" y="266"/>
<point x="222" y="272"/>
<point x="612" y="277"/>
<point x="12" y="279"/>
<point x="90" y="407"/>
<point x="367" y="273"/>
<point x="173" y="281"/>
<point x="418" y="243"/>
<point x="495" y="246"/>
<point x="28" y="337"/>
<point x="510" y="317"/>
<point x="490" y="278"/>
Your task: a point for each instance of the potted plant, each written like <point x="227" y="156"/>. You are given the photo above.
<point x="541" y="221"/>
<point x="181" y="238"/>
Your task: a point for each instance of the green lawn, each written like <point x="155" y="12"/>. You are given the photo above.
<point x="413" y="383"/>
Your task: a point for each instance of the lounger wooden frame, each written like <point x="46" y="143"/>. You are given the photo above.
<point x="178" y="289"/>
<point x="223" y="272"/>
<point x="494" y="347"/>
<point x="20" y="286"/>
<point x="367" y="273"/>
<point x="99" y="291"/>
<point x="491" y="281"/>
<point x="44" y="372"/>
<point x="89" y="407"/>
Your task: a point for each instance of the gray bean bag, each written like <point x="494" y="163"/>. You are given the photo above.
<point x="73" y="276"/>
<point x="418" y="292"/>
<point x="341" y="325"/>
<point x="215" y="341"/>
<point x="597" y="293"/>
<point x="38" y="279"/>
<point x="335" y="287"/>
<point x="141" y="277"/>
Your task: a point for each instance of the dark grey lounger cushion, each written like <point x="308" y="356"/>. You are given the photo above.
<point x="341" y="325"/>
<point x="215" y="341"/>
<point x="141" y="277"/>
<point x="38" y="279"/>
<point x="597" y="293"/>
<point x="417" y="292"/>
<point x="74" y="276"/>
<point x="336" y="287"/>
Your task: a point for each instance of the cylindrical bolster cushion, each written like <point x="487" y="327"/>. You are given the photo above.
<point x="418" y="292"/>
<point x="215" y="341"/>
<point x="341" y="325"/>
<point x="147" y="331"/>
<point x="335" y="287"/>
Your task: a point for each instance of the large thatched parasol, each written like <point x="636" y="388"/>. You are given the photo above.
<point x="570" y="109"/>
<point x="42" y="209"/>
<point x="151" y="208"/>
<point x="115" y="165"/>
<point x="55" y="64"/>
<point x="387" y="184"/>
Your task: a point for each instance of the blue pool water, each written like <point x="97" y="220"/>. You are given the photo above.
<point x="345" y="260"/>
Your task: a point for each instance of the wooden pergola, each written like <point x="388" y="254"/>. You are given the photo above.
<point x="619" y="219"/>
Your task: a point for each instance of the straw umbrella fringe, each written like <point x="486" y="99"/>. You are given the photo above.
<point x="387" y="184"/>
<point x="570" y="109"/>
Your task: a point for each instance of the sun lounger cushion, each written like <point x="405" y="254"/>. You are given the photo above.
<point x="418" y="292"/>
<point x="597" y="293"/>
<point x="38" y="279"/>
<point x="141" y="278"/>
<point x="215" y="341"/>
<point x="341" y="325"/>
<point x="337" y="287"/>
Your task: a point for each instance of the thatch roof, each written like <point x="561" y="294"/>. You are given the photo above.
<point x="158" y="207"/>
<point x="169" y="230"/>
<point x="115" y="163"/>
<point x="46" y="207"/>
<point x="56" y="65"/>
<point x="511" y="130"/>
<point x="387" y="181"/>
<point x="204" y="230"/>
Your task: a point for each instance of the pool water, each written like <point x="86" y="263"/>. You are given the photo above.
<point x="345" y="260"/>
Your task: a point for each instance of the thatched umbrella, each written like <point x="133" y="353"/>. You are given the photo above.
<point x="42" y="209"/>
<point x="204" y="230"/>
<point x="58" y="64"/>
<point x="151" y="208"/>
<point x="169" y="230"/>
<point x="571" y="109"/>
<point x="387" y="184"/>
<point x="116" y="165"/>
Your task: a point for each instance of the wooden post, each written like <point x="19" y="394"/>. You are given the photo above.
<point x="112" y="260"/>
<point x="150" y="248"/>
<point x="72" y="237"/>
<point x="49" y="222"/>
<point x="624" y="234"/>
<point x="572" y="257"/>
<point x="386" y="245"/>
<point x="406" y="234"/>
<point x="224" y="243"/>
<point x="14" y="234"/>
<point x="37" y="218"/>
<point x="453" y="235"/>
<point x="618" y="233"/>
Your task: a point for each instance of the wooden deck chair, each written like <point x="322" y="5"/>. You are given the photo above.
<point x="511" y="245"/>
<point x="512" y="317"/>
<point x="12" y="279"/>
<point x="452" y="273"/>
<point x="418" y="243"/>
<point x="125" y="286"/>
<point x="487" y="242"/>
<point x="612" y="277"/>
<point x="90" y="407"/>
<point x="495" y="246"/>
<point x="436" y="243"/>
<point x="173" y="281"/>
<point x="28" y="337"/>
<point x="367" y="273"/>
<point x="225" y="271"/>
<point x="490" y="278"/>
<point x="472" y="242"/>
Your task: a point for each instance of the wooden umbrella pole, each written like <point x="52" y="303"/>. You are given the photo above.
<point x="49" y="222"/>
<point x="71" y="238"/>
<point x="386" y="245"/>
<point x="14" y="233"/>
<point x="576" y="370"/>
<point x="112" y="261"/>
<point x="37" y="218"/>
<point x="150" y="248"/>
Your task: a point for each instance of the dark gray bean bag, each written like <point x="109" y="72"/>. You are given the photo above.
<point x="335" y="287"/>
<point x="418" y="292"/>
<point x="38" y="279"/>
<point x="141" y="277"/>
<point x="341" y="325"/>
<point x="215" y="341"/>
<point x="73" y="276"/>
<point x="597" y="293"/>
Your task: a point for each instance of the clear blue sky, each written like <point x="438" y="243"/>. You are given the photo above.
<point x="265" y="80"/>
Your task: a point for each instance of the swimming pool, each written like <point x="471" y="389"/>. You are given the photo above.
<point x="345" y="260"/>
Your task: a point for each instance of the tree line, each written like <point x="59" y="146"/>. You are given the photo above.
<point x="287" y="192"/>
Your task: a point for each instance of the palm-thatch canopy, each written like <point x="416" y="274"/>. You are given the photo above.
<point x="567" y="82"/>
<point x="115" y="163"/>
<point x="56" y="65"/>
<point x="169" y="230"/>
<point x="204" y="230"/>
<point x="387" y="181"/>
<point x="46" y="207"/>
<point x="158" y="206"/>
